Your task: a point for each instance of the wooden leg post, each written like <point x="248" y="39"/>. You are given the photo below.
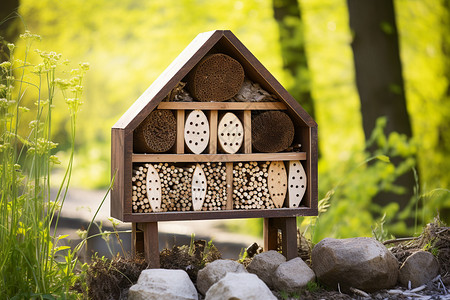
<point x="288" y="227"/>
<point x="145" y="242"/>
<point x="151" y="244"/>
<point x="270" y="234"/>
<point x="137" y="241"/>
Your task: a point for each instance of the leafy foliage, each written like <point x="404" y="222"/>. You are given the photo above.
<point x="34" y="262"/>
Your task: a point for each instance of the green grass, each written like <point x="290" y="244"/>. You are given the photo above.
<point x="32" y="263"/>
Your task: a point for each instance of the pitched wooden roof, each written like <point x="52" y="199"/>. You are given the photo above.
<point x="226" y="42"/>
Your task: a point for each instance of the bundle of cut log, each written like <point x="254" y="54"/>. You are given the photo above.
<point x="250" y="188"/>
<point x="216" y="196"/>
<point x="175" y="183"/>
<point x="139" y="199"/>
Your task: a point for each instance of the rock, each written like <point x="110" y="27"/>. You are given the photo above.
<point x="419" y="268"/>
<point x="362" y="263"/>
<point x="163" y="284"/>
<point x="240" y="286"/>
<point x="265" y="264"/>
<point x="215" y="271"/>
<point x="293" y="275"/>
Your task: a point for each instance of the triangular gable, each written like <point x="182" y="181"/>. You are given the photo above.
<point x="229" y="44"/>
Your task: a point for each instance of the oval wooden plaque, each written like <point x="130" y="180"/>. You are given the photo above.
<point x="296" y="183"/>
<point x="277" y="181"/>
<point x="196" y="131"/>
<point x="199" y="186"/>
<point x="230" y="133"/>
<point x="153" y="188"/>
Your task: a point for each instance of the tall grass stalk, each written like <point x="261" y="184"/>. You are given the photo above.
<point x="29" y="251"/>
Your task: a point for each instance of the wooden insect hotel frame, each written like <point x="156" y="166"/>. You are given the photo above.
<point x="216" y="136"/>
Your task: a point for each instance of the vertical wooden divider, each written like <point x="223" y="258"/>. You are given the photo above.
<point x="247" y="131"/>
<point x="180" y="131"/>
<point x="229" y="166"/>
<point x="213" y="123"/>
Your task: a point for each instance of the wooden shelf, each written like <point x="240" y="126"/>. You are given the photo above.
<point x="141" y="158"/>
<point x="223" y="105"/>
<point x="222" y="214"/>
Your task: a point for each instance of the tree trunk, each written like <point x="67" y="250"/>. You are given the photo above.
<point x="288" y="16"/>
<point x="9" y="26"/>
<point x="443" y="143"/>
<point x="379" y="79"/>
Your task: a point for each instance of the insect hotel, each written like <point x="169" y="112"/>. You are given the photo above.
<point x="214" y="137"/>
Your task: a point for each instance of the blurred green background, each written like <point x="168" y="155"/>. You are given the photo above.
<point x="128" y="43"/>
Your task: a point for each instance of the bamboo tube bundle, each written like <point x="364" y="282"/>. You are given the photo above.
<point x="272" y="131"/>
<point x="216" y="195"/>
<point x="139" y="199"/>
<point x="157" y="133"/>
<point x="217" y="77"/>
<point x="250" y="187"/>
<point x="175" y="187"/>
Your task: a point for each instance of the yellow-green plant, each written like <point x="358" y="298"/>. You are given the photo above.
<point x="33" y="263"/>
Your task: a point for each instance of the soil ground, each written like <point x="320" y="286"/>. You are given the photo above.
<point x="106" y="277"/>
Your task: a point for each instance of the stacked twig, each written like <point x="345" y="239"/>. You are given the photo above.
<point x="139" y="197"/>
<point x="176" y="187"/>
<point x="216" y="196"/>
<point x="250" y="188"/>
<point x="176" y="184"/>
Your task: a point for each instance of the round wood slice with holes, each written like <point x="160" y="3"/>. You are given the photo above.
<point x="277" y="181"/>
<point x="296" y="183"/>
<point x="230" y="133"/>
<point x="153" y="188"/>
<point x="199" y="186"/>
<point x="196" y="131"/>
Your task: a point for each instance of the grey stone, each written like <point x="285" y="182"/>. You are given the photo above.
<point x="215" y="271"/>
<point x="419" y="268"/>
<point x="265" y="264"/>
<point x="362" y="263"/>
<point x="293" y="275"/>
<point x="240" y="286"/>
<point x="156" y="284"/>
